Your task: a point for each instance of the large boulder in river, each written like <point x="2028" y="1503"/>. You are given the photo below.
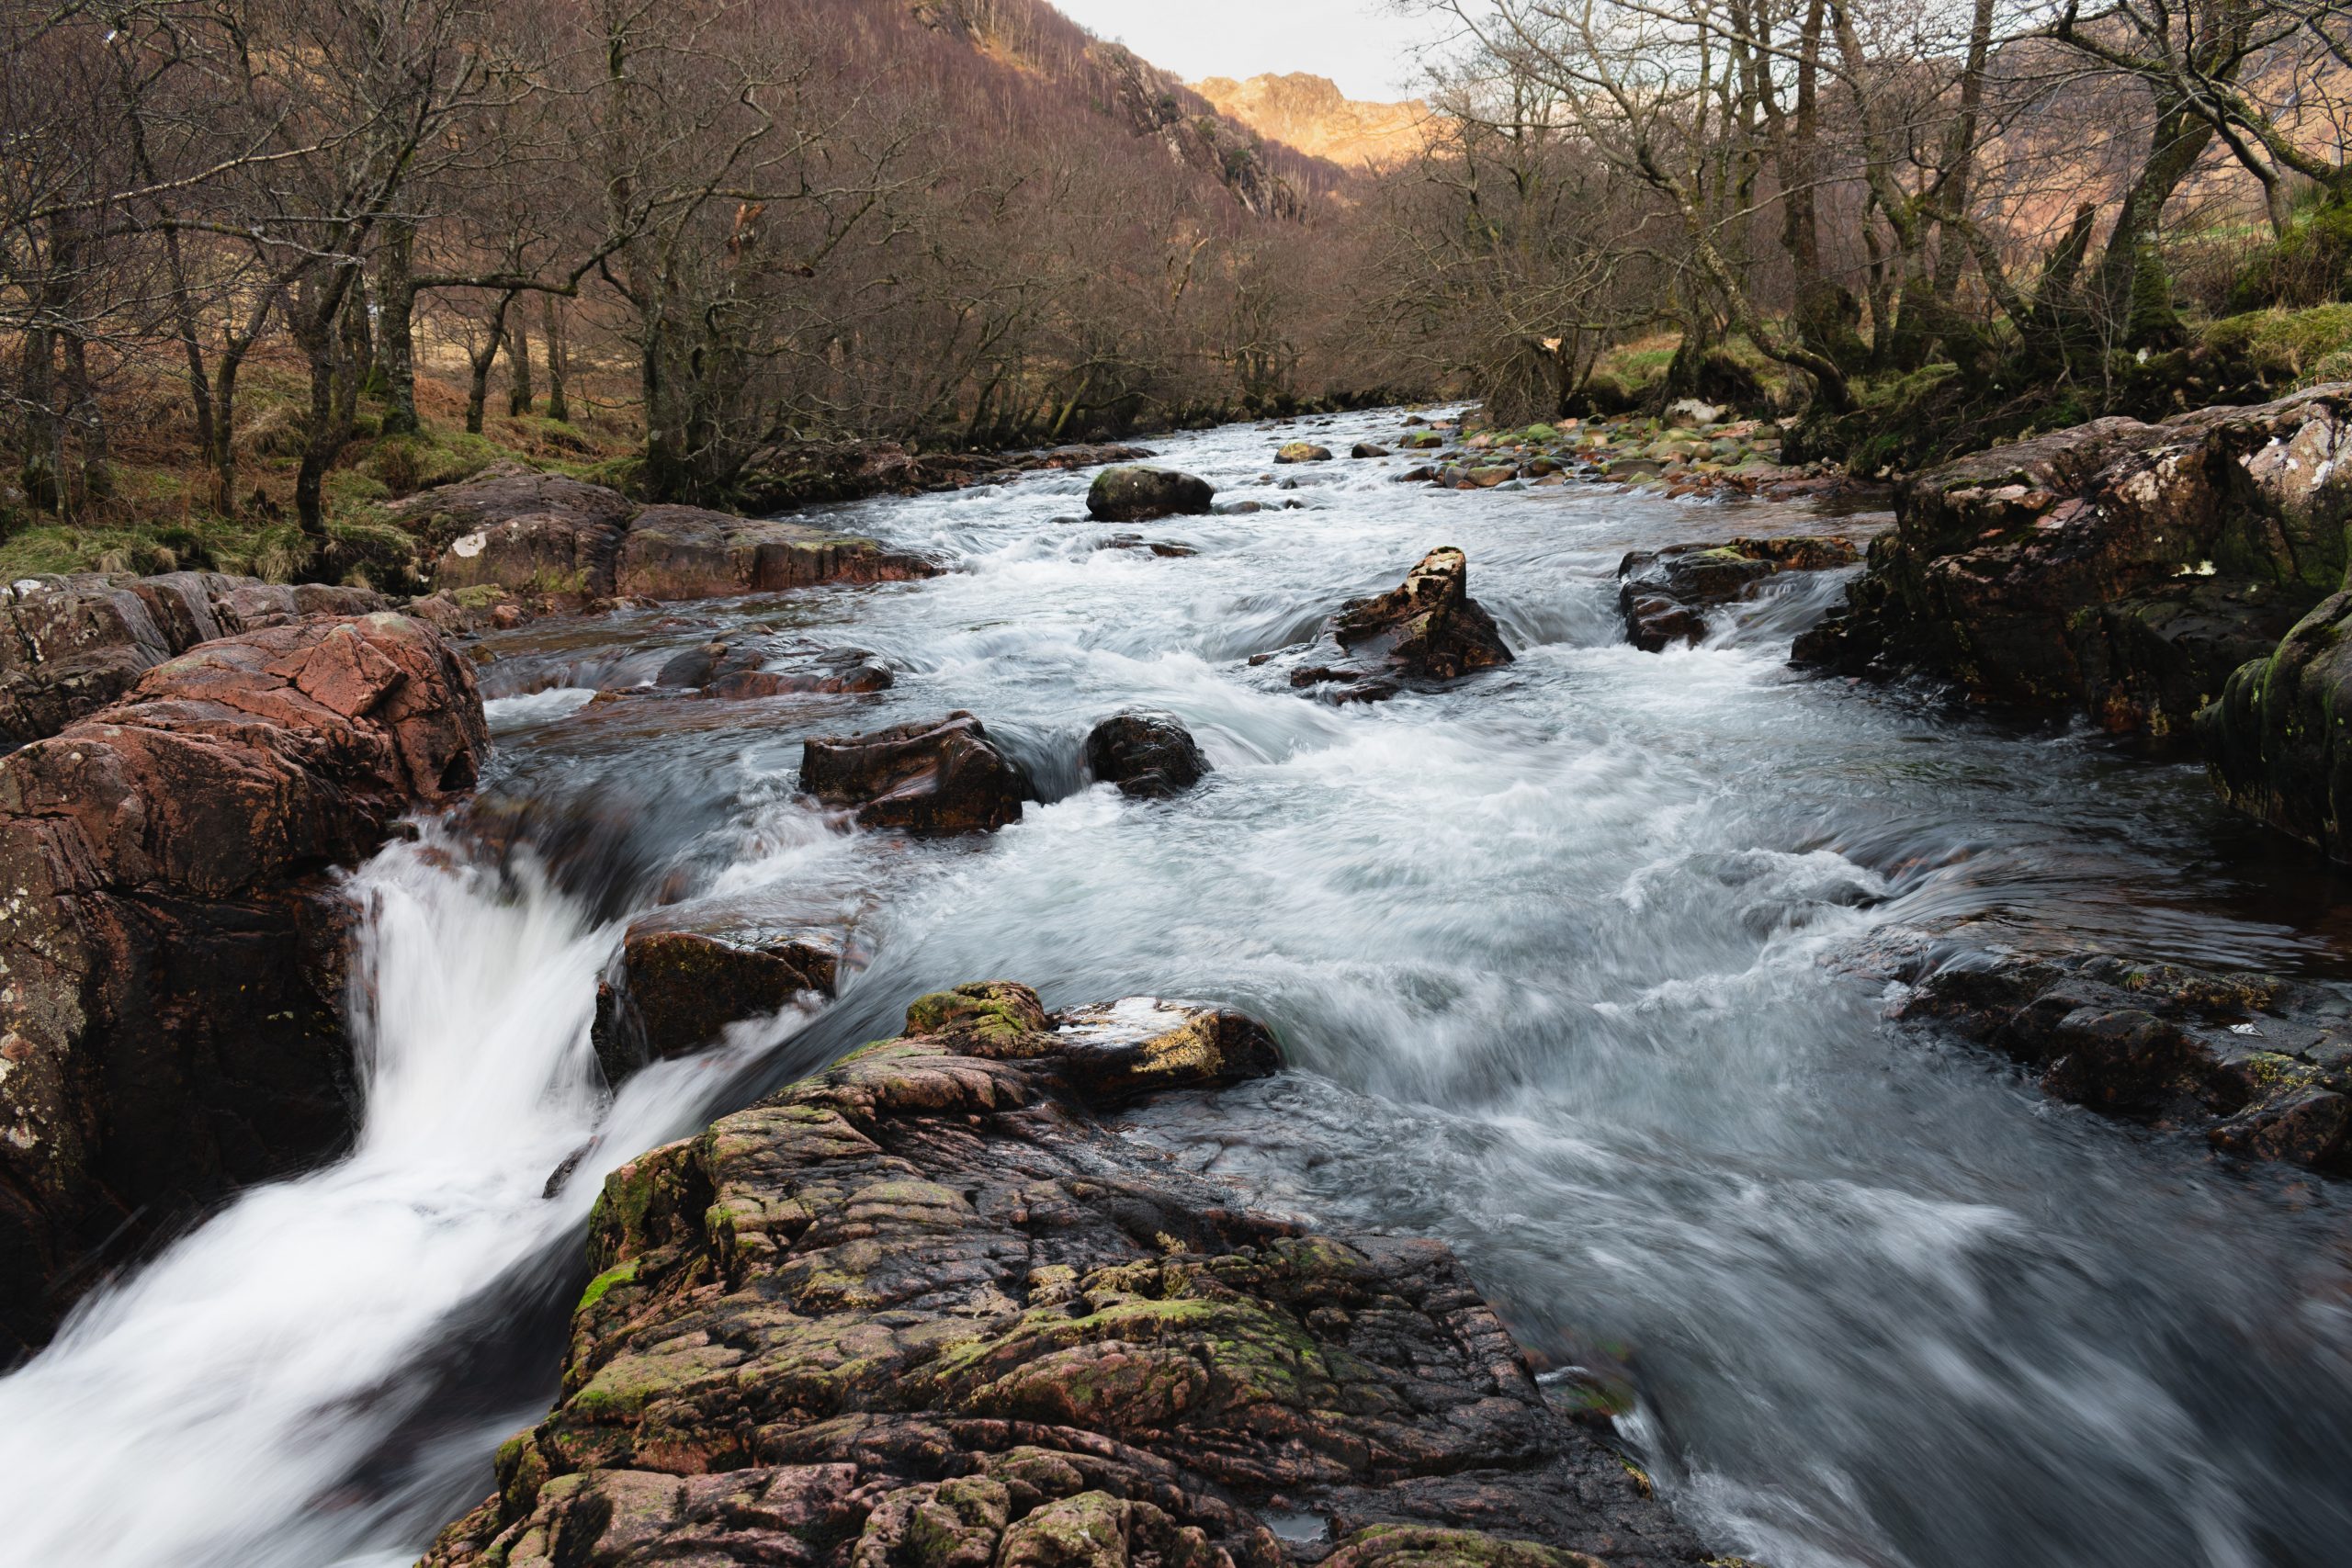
<point x="1427" y="628"/>
<point x="172" y="1021"/>
<point x="1302" y="451"/>
<point x="1148" y="755"/>
<point x="71" y="644"/>
<point x="672" y="992"/>
<point x="686" y="552"/>
<point x="1664" y="595"/>
<point x="1138" y="492"/>
<point x="930" y="778"/>
<point x="514" y="527"/>
<point x="926" y="1308"/>
<point x="2120" y="569"/>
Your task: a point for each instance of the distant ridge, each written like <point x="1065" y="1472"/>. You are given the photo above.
<point x="1311" y="114"/>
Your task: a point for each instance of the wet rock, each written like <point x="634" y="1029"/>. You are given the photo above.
<point x="1366" y="449"/>
<point x="1148" y="755"/>
<point x="173" y="1019"/>
<point x="2275" y="744"/>
<point x="2119" y="569"/>
<point x="1137" y="493"/>
<point x="1664" y="595"/>
<point x="1428" y="626"/>
<point x="2259" y="1066"/>
<point x="514" y="527"/>
<point x="686" y="552"/>
<point x="1426" y="629"/>
<point x="1422" y="441"/>
<point x="925" y="1307"/>
<point x="747" y="668"/>
<point x="1165" y="548"/>
<point x="1302" y="451"/>
<point x="1420" y="475"/>
<point x="934" y="777"/>
<point x="71" y="644"/>
<point x="672" y="992"/>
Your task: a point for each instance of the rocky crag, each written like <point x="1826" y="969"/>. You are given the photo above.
<point x="928" y="1309"/>
<point x="2120" y="570"/>
<point x="172" y="1022"/>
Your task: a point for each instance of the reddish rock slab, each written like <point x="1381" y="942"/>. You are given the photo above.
<point x="71" y="644"/>
<point x="930" y="777"/>
<point x="171" y="1019"/>
<point x="686" y="552"/>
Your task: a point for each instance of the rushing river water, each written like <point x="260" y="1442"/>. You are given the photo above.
<point x="1580" y="965"/>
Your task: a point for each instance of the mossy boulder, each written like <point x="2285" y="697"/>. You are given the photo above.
<point x="1138" y="492"/>
<point x="1302" y="451"/>
<point x="928" y="1307"/>
<point x="672" y="992"/>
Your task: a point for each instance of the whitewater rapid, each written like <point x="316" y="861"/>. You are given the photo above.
<point x="1581" y="966"/>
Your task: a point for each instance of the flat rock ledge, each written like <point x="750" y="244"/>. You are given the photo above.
<point x="516" y="531"/>
<point x="927" y="1310"/>
<point x="2260" y="1067"/>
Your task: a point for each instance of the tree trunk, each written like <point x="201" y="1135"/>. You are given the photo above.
<point x="519" y="395"/>
<point x="396" y="299"/>
<point x="559" y="358"/>
<point x="2133" y="290"/>
<point x="480" y="362"/>
<point x="37" y="376"/>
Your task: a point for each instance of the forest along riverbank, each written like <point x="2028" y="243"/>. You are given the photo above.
<point x="1580" y="965"/>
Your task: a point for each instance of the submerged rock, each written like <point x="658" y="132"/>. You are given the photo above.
<point x="1664" y="594"/>
<point x="672" y="992"/>
<point x="939" y="776"/>
<point x="2121" y="569"/>
<point x="745" y="668"/>
<point x="174" y="1013"/>
<point x="2262" y="1067"/>
<point x="1366" y="449"/>
<point x="925" y="1308"/>
<point x="1302" y="451"/>
<point x="1137" y="493"/>
<point x="1149" y="755"/>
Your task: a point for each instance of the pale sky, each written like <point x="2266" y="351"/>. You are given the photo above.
<point x="1371" y="48"/>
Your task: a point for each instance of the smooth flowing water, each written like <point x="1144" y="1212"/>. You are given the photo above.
<point x="1580" y="965"/>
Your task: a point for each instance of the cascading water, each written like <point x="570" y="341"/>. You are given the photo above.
<point x="216" y="1406"/>
<point x="1581" y="965"/>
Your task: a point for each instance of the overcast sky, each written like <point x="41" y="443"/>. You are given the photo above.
<point x="1369" y="46"/>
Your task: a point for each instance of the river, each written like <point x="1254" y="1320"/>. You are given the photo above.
<point x="1581" y="965"/>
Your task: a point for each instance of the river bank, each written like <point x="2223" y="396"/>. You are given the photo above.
<point x="1579" y="965"/>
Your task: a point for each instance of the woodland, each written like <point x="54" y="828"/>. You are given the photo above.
<point x="263" y="263"/>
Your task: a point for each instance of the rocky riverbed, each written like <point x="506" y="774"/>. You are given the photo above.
<point x="1639" y="1102"/>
